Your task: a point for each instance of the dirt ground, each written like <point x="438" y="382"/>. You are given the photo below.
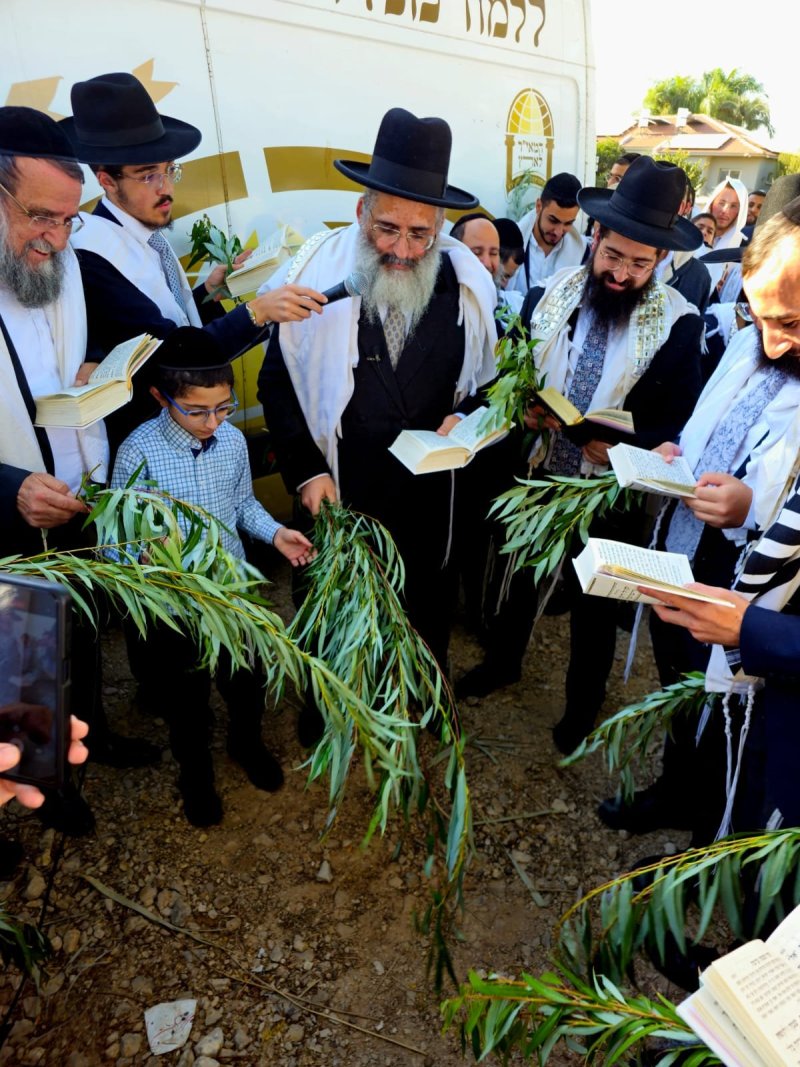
<point x="327" y="924"/>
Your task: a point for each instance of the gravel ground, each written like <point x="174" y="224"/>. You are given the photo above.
<point x="324" y="929"/>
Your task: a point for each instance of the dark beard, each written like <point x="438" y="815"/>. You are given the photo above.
<point x="610" y="308"/>
<point x="789" y="362"/>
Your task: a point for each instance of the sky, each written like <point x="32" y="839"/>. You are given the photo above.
<point x="638" y="42"/>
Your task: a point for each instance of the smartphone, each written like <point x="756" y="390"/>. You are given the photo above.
<point x="35" y="677"/>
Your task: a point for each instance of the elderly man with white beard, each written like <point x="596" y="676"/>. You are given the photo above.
<point x="43" y="336"/>
<point x="338" y="388"/>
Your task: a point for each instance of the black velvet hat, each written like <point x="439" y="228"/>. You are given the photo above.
<point x="189" y="348"/>
<point x="644" y="206"/>
<point x="27" y="132"/>
<point x="410" y="160"/>
<point x="115" y="121"/>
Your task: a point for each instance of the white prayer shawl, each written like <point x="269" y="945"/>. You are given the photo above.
<point x="137" y="262"/>
<point x="321" y="353"/>
<point x="569" y="252"/>
<point x="633" y="348"/>
<point x="777" y="430"/>
<point x="733" y="236"/>
<point x="725" y="314"/>
<point x="66" y="318"/>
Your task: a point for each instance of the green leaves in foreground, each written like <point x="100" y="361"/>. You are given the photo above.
<point x="626" y="736"/>
<point x="593" y="1019"/>
<point x="353" y="620"/>
<point x="542" y="516"/>
<point x="22" y="945"/>
<point x="640" y="910"/>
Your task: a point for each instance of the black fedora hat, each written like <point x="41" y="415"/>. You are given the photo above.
<point x="410" y="160"/>
<point x="782" y="193"/>
<point x="115" y="121"/>
<point x="644" y="206"/>
<point x="24" y="131"/>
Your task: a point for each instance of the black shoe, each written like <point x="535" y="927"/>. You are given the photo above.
<point x="683" y="968"/>
<point x="114" y="750"/>
<point x="568" y="734"/>
<point x="11" y="855"/>
<point x="650" y="809"/>
<point x="258" y="764"/>
<point x="66" y="811"/>
<point x="201" y="803"/>
<point x="484" y="679"/>
<point x="310" y="725"/>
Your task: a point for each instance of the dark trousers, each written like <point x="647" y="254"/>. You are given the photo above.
<point x="174" y="687"/>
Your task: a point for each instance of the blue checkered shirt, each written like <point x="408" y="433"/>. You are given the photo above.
<point x="216" y="478"/>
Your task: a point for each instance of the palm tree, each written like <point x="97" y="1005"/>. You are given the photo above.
<point x="735" y="97"/>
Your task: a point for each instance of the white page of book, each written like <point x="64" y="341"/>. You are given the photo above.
<point x="115" y="365"/>
<point x="786" y="938"/>
<point x="433" y="441"/>
<point x="712" y="1024"/>
<point x="468" y="432"/>
<point x="670" y="567"/>
<point x="767" y="987"/>
<point x="650" y="466"/>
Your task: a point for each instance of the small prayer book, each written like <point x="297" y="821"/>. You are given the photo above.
<point x="425" y="451"/>
<point x="110" y="387"/>
<point x="614" y="569"/>
<point x="605" y="424"/>
<point x="264" y="261"/>
<point x="637" y="468"/>
<point x="747" y="1009"/>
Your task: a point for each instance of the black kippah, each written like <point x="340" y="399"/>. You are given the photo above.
<point x="562" y="186"/>
<point x="189" y="348"/>
<point x="24" y="131"/>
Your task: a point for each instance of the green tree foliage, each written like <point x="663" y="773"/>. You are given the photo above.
<point x="788" y="163"/>
<point x="695" y="171"/>
<point x="608" y="151"/>
<point x="735" y="97"/>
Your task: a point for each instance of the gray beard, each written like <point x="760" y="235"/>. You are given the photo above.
<point x="408" y="291"/>
<point x="33" y="287"/>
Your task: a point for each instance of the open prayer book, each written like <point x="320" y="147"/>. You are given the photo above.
<point x="109" y="387"/>
<point x="425" y="451"/>
<point x="614" y="569"/>
<point x="605" y="424"/>
<point x="639" y="469"/>
<point x="747" y="1009"/>
<point x="264" y="261"/>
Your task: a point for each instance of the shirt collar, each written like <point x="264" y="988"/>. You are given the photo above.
<point x="137" y="229"/>
<point x="177" y="437"/>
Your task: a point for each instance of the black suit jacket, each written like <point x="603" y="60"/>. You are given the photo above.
<point x="117" y="310"/>
<point x="664" y="397"/>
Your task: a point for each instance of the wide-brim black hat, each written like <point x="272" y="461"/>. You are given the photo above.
<point x="115" y="121"/>
<point x="782" y="192"/>
<point x="24" y="131"/>
<point x="411" y="160"/>
<point x="644" y="206"/>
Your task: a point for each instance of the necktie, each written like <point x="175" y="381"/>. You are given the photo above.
<point x="566" y="457"/>
<point x="158" y="241"/>
<point x="394" y="330"/>
<point x="720" y="453"/>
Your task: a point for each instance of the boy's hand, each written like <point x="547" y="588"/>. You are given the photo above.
<point x="292" y="544"/>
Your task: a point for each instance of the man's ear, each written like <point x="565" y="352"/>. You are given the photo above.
<point x="661" y="254"/>
<point x="162" y="400"/>
<point x="107" y="183"/>
<point x="359" y="208"/>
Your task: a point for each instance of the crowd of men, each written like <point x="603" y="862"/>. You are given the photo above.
<point x="616" y="314"/>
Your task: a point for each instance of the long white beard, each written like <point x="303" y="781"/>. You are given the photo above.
<point x="34" y="287"/>
<point x="409" y="291"/>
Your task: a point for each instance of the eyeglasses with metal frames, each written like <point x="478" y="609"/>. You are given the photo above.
<point x="41" y="223"/>
<point x="173" y="172"/>
<point x="391" y="235"/>
<point x="615" y="263"/>
<point x="202" y="415"/>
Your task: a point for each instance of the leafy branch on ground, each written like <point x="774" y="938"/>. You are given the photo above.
<point x="542" y="517"/>
<point x="353" y="619"/>
<point x="625" y="738"/>
<point x="22" y="945"/>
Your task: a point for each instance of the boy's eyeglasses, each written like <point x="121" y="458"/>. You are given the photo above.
<point x="202" y="415"/>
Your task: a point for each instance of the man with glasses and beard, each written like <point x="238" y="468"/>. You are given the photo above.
<point x="43" y="343"/>
<point x="338" y="389"/>
<point x="133" y="281"/>
<point x="609" y="336"/>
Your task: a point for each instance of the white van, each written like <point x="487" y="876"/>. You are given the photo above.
<point x="281" y="88"/>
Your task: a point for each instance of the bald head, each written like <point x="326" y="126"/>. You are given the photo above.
<point x="482" y="239"/>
